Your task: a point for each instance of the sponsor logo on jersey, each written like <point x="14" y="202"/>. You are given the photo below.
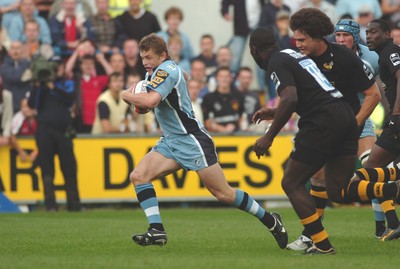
<point x="162" y="73"/>
<point x="159" y="78"/>
<point x="395" y="59"/>
<point x="368" y="72"/>
<point x="197" y="162"/>
<point x="275" y="80"/>
<point x="328" y="66"/>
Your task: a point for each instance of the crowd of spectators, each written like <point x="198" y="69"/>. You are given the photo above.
<point x="96" y="42"/>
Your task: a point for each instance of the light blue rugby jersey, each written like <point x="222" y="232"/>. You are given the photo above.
<point x="174" y="113"/>
<point x="370" y="59"/>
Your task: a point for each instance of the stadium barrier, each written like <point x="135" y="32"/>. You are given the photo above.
<point x="104" y="164"/>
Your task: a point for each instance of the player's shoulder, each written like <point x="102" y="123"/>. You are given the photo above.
<point x="167" y="69"/>
<point x="287" y="53"/>
<point x="390" y="54"/>
<point x="365" y="51"/>
<point x="285" y="56"/>
<point x="289" y="58"/>
<point x="390" y="49"/>
<point x="368" y="55"/>
<point x="344" y="56"/>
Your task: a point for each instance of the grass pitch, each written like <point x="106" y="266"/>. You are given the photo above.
<point x="197" y="238"/>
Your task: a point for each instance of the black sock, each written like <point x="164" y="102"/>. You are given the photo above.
<point x="157" y="226"/>
<point x="380" y="227"/>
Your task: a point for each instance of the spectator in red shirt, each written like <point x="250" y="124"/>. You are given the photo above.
<point x="90" y="87"/>
<point x="67" y="27"/>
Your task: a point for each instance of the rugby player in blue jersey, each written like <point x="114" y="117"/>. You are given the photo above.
<point x="184" y="144"/>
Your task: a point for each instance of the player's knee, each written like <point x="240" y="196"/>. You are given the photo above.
<point x="136" y="178"/>
<point x="291" y="184"/>
<point x="288" y="186"/>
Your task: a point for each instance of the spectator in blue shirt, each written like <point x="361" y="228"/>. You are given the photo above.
<point x="8" y="8"/>
<point x="174" y="17"/>
<point x="27" y="13"/>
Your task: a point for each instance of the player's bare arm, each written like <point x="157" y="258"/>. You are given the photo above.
<point x="148" y="100"/>
<point x="287" y="106"/>
<point x="285" y="109"/>
<point x="372" y="99"/>
<point x="384" y="101"/>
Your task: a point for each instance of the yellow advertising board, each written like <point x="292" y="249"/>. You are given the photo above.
<point x="104" y="165"/>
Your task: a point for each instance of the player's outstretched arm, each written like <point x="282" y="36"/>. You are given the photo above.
<point x="372" y="99"/>
<point x="285" y="109"/>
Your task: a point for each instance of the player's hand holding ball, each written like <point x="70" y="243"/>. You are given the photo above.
<point x="140" y="87"/>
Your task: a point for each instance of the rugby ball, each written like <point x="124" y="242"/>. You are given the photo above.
<point x="139" y="88"/>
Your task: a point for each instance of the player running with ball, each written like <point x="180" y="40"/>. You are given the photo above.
<point x="184" y="144"/>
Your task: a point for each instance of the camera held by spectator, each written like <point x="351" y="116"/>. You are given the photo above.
<point x="43" y="71"/>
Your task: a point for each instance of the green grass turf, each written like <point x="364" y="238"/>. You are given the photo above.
<point x="198" y="238"/>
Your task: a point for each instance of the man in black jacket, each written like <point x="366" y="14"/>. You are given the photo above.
<point x="52" y="99"/>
